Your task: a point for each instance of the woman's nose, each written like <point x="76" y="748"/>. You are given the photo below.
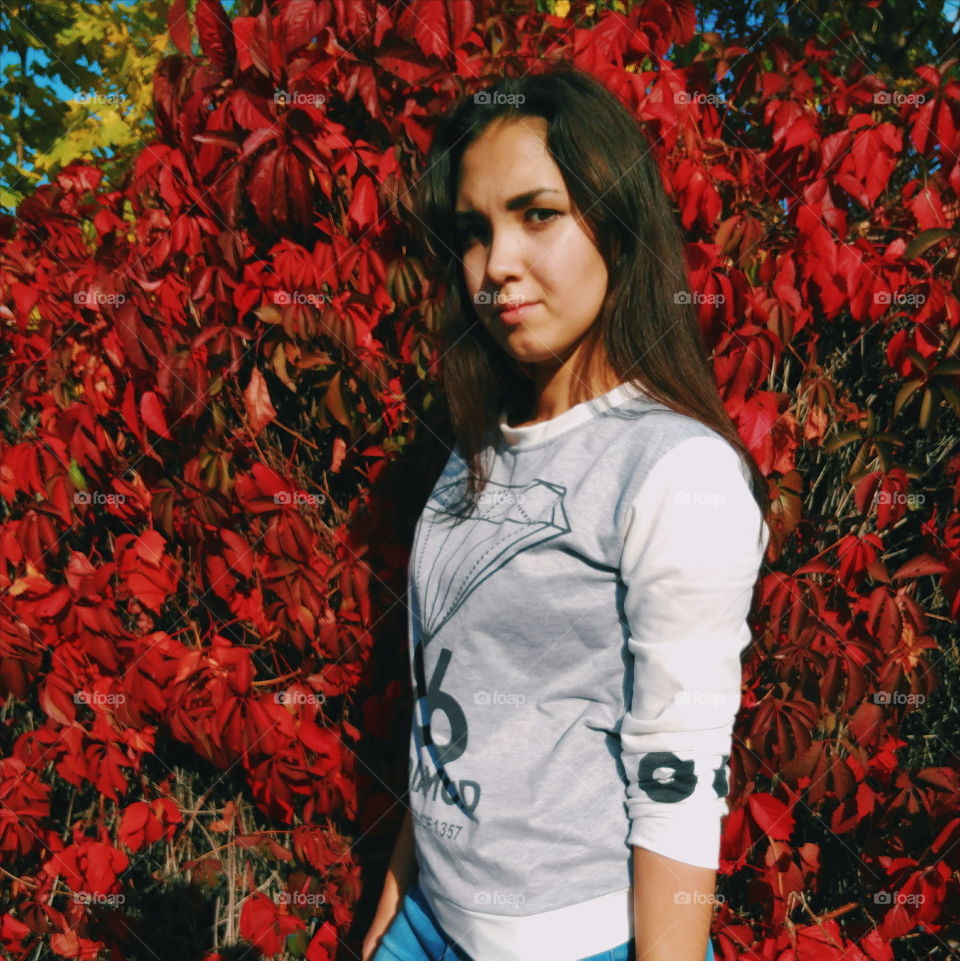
<point x="504" y="259"/>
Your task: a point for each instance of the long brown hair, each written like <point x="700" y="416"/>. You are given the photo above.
<point x="647" y="323"/>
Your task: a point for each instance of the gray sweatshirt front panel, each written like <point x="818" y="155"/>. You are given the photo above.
<point x="521" y="669"/>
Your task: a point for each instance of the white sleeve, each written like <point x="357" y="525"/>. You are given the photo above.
<point x="692" y="551"/>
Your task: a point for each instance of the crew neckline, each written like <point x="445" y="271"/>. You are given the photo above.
<point x="516" y="438"/>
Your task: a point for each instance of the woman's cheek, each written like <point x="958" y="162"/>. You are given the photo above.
<point x="473" y="277"/>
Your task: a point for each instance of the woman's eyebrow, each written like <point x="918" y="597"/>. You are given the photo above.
<point x="514" y="203"/>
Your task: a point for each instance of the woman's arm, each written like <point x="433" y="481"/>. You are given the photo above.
<point x="403" y="861"/>
<point x="672" y="907"/>
<point x="399" y="877"/>
<point x="690" y="566"/>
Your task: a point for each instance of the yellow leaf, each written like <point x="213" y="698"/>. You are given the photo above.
<point x="260" y="411"/>
<point x="334" y="401"/>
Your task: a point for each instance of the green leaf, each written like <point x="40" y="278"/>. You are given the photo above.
<point x="835" y="443"/>
<point x="904" y="394"/>
<point x="925" y="240"/>
<point x="76" y="475"/>
<point x="953" y="396"/>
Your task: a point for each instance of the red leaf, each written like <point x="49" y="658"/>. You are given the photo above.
<point x="13" y="931"/>
<point x="363" y="207"/>
<point x="249" y="113"/>
<point x="323" y="947"/>
<point x="428" y="20"/>
<point x="406" y="70"/>
<point x="150" y="548"/>
<point x="178" y="24"/>
<point x="263" y="186"/>
<point x="301" y="21"/>
<point x="297" y="191"/>
<point x="264" y="926"/>
<point x="262" y="47"/>
<point x="139" y="826"/>
<point x="89" y="866"/>
<point x="216" y="34"/>
<point x="243" y="28"/>
<point x="56" y="699"/>
<point x="772" y="816"/>
<point x="237" y="552"/>
<point x="463" y="18"/>
<point x="24" y="799"/>
<point x="71" y="945"/>
<point x="920" y="566"/>
<point x="151" y="413"/>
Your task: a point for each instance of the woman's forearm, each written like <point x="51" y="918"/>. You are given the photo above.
<point x="395" y="884"/>
<point x="403" y="861"/>
<point x="672" y="907"/>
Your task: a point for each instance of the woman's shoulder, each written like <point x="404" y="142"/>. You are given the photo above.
<point x="655" y="425"/>
<point x="670" y="447"/>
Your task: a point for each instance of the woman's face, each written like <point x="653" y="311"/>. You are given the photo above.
<point x="539" y="252"/>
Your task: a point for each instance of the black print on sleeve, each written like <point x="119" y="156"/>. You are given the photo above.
<point x="663" y="777"/>
<point x="720" y="777"/>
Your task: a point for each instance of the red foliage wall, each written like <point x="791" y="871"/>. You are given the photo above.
<point x="207" y="377"/>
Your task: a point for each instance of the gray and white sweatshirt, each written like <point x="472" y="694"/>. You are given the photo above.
<point x="575" y="654"/>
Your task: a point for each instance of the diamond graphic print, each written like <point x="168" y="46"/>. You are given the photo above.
<point x="508" y="521"/>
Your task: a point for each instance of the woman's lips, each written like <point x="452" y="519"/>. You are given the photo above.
<point x="516" y="314"/>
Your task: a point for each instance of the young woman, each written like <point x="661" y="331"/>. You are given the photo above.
<point x="581" y="575"/>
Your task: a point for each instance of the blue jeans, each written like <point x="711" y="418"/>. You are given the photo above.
<point x="415" y="935"/>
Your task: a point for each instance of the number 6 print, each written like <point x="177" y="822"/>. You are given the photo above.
<point x="663" y="777"/>
<point x="448" y="705"/>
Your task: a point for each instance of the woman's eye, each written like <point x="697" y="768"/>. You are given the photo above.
<point x="467" y="234"/>
<point x="543" y="210"/>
